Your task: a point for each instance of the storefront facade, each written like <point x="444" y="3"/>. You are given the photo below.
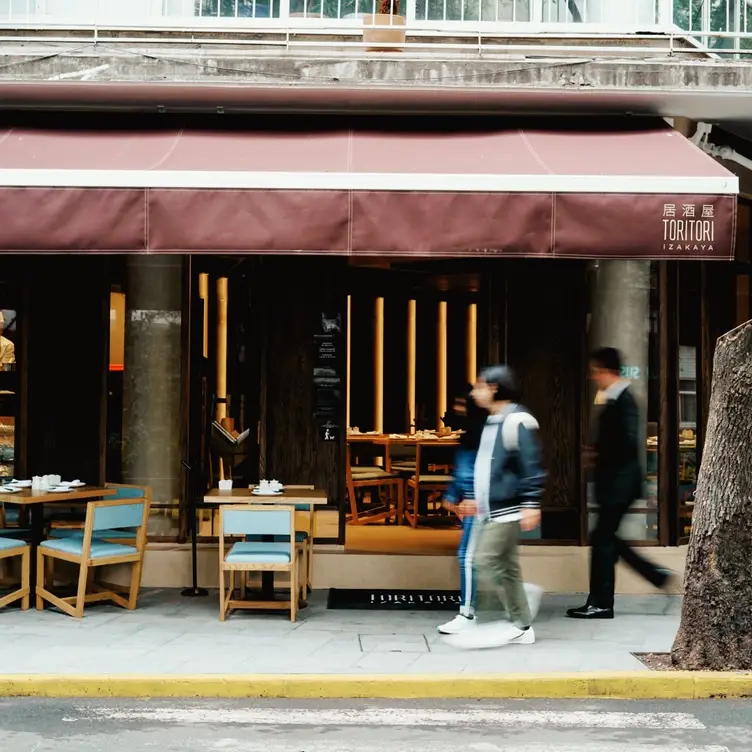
<point x="550" y="238"/>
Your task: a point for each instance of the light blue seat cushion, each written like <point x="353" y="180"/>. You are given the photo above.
<point x="7" y="544"/>
<point x="300" y="537"/>
<point x="99" y="549"/>
<point x="259" y="553"/>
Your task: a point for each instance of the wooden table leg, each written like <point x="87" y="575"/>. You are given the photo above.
<point x="37" y="537"/>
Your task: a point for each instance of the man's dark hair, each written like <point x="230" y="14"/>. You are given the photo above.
<point x="608" y="358"/>
<point x="503" y="379"/>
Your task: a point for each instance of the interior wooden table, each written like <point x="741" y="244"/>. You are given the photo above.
<point x="388" y="441"/>
<point x="35" y="500"/>
<point x="290" y="497"/>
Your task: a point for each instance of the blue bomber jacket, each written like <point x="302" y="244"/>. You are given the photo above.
<point x="511" y="478"/>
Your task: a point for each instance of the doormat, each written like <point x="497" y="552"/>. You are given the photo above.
<point x="394" y="600"/>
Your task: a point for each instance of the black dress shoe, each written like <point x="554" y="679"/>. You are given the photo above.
<point x="590" y="612"/>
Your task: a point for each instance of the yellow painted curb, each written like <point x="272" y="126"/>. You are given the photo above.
<point x="637" y="685"/>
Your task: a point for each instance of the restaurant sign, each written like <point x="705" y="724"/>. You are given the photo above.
<point x="327" y="374"/>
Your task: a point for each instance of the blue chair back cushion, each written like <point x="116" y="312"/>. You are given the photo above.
<point x="127" y="493"/>
<point x="253" y="522"/>
<point x="118" y="516"/>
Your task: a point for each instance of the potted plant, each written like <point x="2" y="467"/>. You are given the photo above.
<point x="384" y="31"/>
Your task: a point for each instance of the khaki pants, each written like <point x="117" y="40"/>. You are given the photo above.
<point x="498" y="563"/>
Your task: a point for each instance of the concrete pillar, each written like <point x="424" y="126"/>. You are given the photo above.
<point x="621" y="318"/>
<point x="152" y="383"/>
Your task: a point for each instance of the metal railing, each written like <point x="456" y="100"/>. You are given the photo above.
<point x="720" y="27"/>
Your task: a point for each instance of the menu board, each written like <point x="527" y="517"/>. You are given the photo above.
<point x="327" y="374"/>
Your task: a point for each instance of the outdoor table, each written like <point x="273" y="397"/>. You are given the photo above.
<point x="35" y="500"/>
<point x="289" y="497"/>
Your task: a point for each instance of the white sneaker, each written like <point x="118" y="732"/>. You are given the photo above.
<point x="459" y="624"/>
<point x="496" y="635"/>
<point x="523" y="637"/>
<point x="534" y="596"/>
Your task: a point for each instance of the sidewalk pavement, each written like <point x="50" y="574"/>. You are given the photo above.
<point x="172" y="635"/>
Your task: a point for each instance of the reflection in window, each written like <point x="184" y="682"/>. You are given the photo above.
<point x="8" y="391"/>
<point x="689" y="340"/>
<point x="237" y="8"/>
<point x="624" y="314"/>
<point x="473" y="10"/>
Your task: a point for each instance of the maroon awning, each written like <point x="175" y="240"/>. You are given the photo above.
<point x="630" y="191"/>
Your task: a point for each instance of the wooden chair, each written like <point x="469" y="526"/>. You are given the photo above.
<point x="240" y="521"/>
<point x="378" y="482"/>
<point x="110" y="519"/>
<point x="11" y="548"/>
<point x="304" y="518"/>
<point x="434" y="485"/>
<point x="65" y="528"/>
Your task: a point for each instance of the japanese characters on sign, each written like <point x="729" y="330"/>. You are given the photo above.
<point x="688" y="227"/>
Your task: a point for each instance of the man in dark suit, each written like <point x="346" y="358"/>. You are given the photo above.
<point x="614" y="458"/>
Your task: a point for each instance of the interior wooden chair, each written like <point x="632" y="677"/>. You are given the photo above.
<point x="385" y="486"/>
<point x="11" y="520"/>
<point x="431" y="486"/>
<point x="241" y="521"/>
<point x="402" y="458"/>
<point x="111" y="519"/>
<point x="11" y="548"/>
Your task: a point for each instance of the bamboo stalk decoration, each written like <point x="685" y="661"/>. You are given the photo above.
<point x="412" y="416"/>
<point x="221" y="357"/>
<point x="378" y="366"/>
<point x="347" y="365"/>
<point x="472" y="343"/>
<point x="203" y="293"/>
<point x="441" y="365"/>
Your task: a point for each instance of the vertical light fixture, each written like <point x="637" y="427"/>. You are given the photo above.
<point x="412" y="312"/>
<point x="472" y="343"/>
<point x="347" y="364"/>
<point x="441" y="364"/>
<point x="203" y="293"/>
<point x="378" y="366"/>
<point x="221" y="358"/>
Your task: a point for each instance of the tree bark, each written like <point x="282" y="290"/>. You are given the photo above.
<point x="716" y="625"/>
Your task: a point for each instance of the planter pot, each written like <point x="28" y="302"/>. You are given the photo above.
<point x="388" y="38"/>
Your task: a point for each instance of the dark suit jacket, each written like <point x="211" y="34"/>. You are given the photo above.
<point x="618" y="471"/>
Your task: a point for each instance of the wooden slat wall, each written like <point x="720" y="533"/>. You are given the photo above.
<point x="544" y="343"/>
<point x="68" y="348"/>
<point x="295" y="453"/>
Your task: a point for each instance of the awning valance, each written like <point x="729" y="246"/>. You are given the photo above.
<point x="634" y="190"/>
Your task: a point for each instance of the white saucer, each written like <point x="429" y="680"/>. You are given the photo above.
<point x="73" y="484"/>
<point x="21" y="483"/>
<point x="60" y="489"/>
<point x="9" y="489"/>
<point x="259" y="492"/>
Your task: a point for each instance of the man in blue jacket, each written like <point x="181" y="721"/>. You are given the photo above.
<point x="508" y="486"/>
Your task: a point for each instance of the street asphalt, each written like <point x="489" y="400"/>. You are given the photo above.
<point x="374" y="726"/>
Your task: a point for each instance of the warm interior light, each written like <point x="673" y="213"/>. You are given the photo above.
<point x="441" y="365"/>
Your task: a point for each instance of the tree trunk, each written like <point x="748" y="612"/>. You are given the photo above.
<point x="716" y="625"/>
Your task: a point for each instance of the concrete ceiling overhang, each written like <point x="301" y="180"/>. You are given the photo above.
<point x="705" y="105"/>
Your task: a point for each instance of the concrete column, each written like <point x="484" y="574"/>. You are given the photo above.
<point x="152" y="385"/>
<point x="621" y="318"/>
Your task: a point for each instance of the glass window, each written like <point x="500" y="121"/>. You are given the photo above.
<point x="624" y="314"/>
<point x="689" y="342"/>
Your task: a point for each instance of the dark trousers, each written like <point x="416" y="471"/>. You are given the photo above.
<point x="606" y="549"/>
